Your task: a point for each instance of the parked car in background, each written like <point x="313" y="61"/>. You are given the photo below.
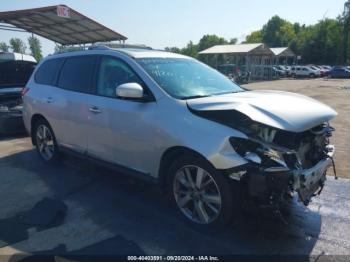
<point x="287" y="69"/>
<point x="11" y="56"/>
<point x="320" y="69"/>
<point x="305" y="71"/>
<point x="14" y="74"/>
<point x="339" y="72"/>
<point x="280" y="71"/>
<point x="171" y="119"/>
<point x="237" y="74"/>
<point x="326" y="69"/>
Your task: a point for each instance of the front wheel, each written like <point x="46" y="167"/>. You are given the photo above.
<point x="200" y="193"/>
<point x="45" y="142"/>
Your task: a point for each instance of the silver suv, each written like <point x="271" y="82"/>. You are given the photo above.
<point x="168" y="118"/>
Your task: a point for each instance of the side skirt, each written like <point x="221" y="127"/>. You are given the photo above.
<point x="118" y="168"/>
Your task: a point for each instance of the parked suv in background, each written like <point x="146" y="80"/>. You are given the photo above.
<point x="339" y="72"/>
<point x="305" y="71"/>
<point x="170" y="119"/>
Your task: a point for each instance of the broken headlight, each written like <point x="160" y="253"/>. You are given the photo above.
<point x="259" y="152"/>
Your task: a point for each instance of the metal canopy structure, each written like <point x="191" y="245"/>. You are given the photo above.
<point x="60" y="24"/>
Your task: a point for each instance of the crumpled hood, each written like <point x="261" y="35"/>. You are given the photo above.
<point x="283" y="110"/>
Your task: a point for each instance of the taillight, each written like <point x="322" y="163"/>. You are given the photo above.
<point x="24" y="91"/>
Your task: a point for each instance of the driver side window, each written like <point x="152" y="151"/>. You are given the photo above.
<point x="112" y="73"/>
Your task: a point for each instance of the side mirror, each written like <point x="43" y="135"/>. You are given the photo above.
<point x="129" y="90"/>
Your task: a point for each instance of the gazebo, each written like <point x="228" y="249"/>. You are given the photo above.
<point x="283" y="55"/>
<point x="256" y="58"/>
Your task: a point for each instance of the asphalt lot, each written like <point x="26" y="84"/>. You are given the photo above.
<point x="80" y="208"/>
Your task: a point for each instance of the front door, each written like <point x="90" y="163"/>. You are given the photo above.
<point x="120" y="130"/>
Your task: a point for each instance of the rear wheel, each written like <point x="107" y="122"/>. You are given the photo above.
<point x="45" y="142"/>
<point x="200" y="193"/>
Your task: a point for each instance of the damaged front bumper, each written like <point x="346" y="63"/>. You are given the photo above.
<point x="270" y="185"/>
<point x="310" y="182"/>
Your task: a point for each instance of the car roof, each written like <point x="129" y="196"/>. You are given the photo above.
<point x="149" y="53"/>
<point x="132" y="52"/>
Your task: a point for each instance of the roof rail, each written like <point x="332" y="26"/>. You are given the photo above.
<point x="100" y="46"/>
<point x="67" y="49"/>
<point x="104" y="46"/>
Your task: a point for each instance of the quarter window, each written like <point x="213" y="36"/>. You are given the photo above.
<point x="76" y="74"/>
<point x="47" y="71"/>
<point x="112" y="73"/>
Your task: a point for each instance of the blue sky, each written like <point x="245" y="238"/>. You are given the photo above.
<point x="161" y="23"/>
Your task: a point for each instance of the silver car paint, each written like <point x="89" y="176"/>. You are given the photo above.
<point x="137" y="134"/>
<point x="282" y="110"/>
<point x="129" y="133"/>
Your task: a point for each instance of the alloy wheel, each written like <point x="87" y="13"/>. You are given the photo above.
<point x="197" y="195"/>
<point x="45" y="142"/>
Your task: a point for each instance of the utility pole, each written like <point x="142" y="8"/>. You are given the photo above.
<point x="346" y="24"/>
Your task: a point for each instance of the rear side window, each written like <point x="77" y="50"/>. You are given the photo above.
<point x="47" y="71"/>
<point x="76" y="74"/>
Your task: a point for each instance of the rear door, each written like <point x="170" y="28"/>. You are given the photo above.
<point x="75" y="83"/>
<point x="45" y="96"/>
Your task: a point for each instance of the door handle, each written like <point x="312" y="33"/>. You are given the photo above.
<point x="95" y="110"/>
<point x="49" y="100"/>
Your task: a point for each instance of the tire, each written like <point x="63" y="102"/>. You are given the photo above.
<point x="312" y="76"/>
<point x="209" y="207"/>
<point x="45" y="142"/>
<point x="294" y="75"/>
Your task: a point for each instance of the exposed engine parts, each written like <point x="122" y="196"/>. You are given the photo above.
<point x="283" y="162"/>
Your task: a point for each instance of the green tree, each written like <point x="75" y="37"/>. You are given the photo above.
<point x="320" y="43"/>
<point x="233" y="41"/>
<point x="278" y="32"/>
<point x="173" y="50"/>
<point x="4" y="47"/>
<point x="254" y="37"/>
<point x="35" y="47"/>
<point x="208" y="41"/>
<point x="17" y="45"/>
<point x="345" y="22"/>
<point x="191" y="49"/>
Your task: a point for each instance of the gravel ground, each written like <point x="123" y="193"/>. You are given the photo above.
<point x="108" y="213"/>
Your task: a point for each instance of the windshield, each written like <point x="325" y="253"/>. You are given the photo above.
<point x="187" y="78"/>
